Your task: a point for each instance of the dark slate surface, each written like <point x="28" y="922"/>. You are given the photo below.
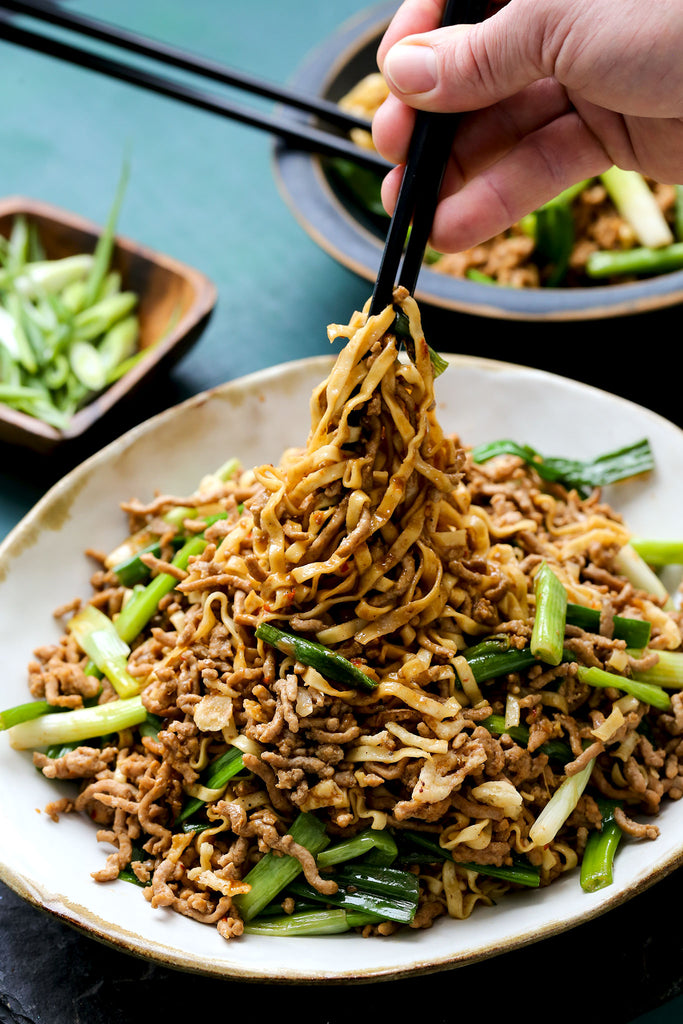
<point x="615" y="968"/>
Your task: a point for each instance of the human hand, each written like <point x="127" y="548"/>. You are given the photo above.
<point x="554" y="91"/>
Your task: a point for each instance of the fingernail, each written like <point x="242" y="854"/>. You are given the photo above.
<point x="411" y="68"/>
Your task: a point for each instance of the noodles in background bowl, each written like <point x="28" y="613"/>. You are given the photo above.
<point x="383" y="542"/>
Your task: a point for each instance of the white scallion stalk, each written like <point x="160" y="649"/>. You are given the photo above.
<point x="8" y="333"/>
<point x="76" y="726"/>
<point x="512" y="711"/>
<point x="636" y="203"/>
<point x="629" y="563"/>
<point x="560" y="806"/>
<point x="52" y="276"/>
<point x="90" y="323"/>
<point x="129" y="548"/>
<point x="96" y="634"/>
<point x="119" y="343"/>
<point x="667" y="672"/>
<point x="659" y="552"/>
<point x="87" y="365"/>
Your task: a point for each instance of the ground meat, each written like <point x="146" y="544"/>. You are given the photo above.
<point x="81" y="763"/>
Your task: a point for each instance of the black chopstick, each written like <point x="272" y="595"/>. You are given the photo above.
<point x="182" y="59"/>
<point x="413" y="215"/>
<point x="297" y="132"/>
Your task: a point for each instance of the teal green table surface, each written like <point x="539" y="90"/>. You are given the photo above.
<point x="202" y="190"/>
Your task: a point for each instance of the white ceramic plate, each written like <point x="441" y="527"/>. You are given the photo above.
<point x="42" y="566"/>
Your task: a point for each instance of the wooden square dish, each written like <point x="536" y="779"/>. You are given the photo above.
<point x="175" y="302"/>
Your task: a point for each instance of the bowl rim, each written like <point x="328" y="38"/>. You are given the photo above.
<point x="303" y="185"/>
<point x="206" y="295"/>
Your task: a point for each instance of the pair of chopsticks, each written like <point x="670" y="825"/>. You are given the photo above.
<point x="430" y="146"/>
<point x="296" y="131"/>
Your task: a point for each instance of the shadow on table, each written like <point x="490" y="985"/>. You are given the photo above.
<point x="615" y="968"/>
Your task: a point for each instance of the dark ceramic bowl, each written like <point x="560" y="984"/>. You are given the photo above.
<point x="351" y="237"/>
<point x="175" y="302"/>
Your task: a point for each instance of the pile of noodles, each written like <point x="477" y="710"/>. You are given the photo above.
<point x="381" y="540"/>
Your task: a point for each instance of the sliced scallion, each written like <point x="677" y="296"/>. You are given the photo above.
<point x="547" y="637"/>
<point x="325" y="661"/>
<point x="630" y="564"/>
<point x="667" y="672"/>
<point x="359" y="845"/>
<point x="636" y="202"/>
<point x="520" y="873"/>
<point x="658" y="552"/>
<point x="143" y="605"/>
<point x="583" y="475"/>
<point x="646" y="692"/>
<point x="78" y="725"/>
<point x="25" y="713"/>
<point x="273" y="873"/>
<point x="598" y="856"/>
<point x="635" y="632"/>
<point x="96" y="634"/>
<point x="389" y="893"/>
<point x="216" y="776"/>
<point x="309" y="922"/>
<point x="560" y="806"/>
<point x="640" y="260"/>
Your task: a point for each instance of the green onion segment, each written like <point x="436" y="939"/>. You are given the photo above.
<point x="560" y="806"/>
<point x="598" y="857"/>
<point x="78" y="725"/>
<point x="573" y="473"/>
<point x="97" y="635"/>
<point x="325" y="661"/>
<point x="547" y="637"/>
<point x="272" y="873"/>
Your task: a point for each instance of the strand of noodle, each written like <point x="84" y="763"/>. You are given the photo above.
<point x="476" y="523"/>
<point x="370" y="753"/>
<point x="340" y="383"/>
<point x="499" y="530"/>
<point x="372" y="379"/>
<point x="396" y="552"/>
<point x="600" y="537"/>
<point x="361" y="811"/>
<point x="317" y="480"/>
<point x="476" y="836"/>
<point x="234" y="541"/>
<point x="439" y="479"/>
<point x="392" y="621"/>
<point x="587" y="525"/>
<point x="432" y="746"/>
<point x="567" y="857"/>
<point x="298" y="464"/>
<point x="402" y="423"/>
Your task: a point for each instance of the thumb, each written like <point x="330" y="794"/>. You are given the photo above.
<point x="466" y="67"/>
